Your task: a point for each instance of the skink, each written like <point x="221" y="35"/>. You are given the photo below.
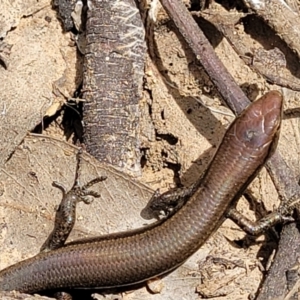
<point x="131" y="257"/>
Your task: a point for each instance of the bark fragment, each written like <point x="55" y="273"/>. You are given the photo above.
<point x="114" y="63"/>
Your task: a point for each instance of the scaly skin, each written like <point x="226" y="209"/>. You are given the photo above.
<point x="131" y="257"/>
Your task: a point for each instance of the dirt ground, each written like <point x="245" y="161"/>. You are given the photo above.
<point x="183" y="120"/>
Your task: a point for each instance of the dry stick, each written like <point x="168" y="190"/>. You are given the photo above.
<point x="282" y="176"/>
<point x="226" y="85"/>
